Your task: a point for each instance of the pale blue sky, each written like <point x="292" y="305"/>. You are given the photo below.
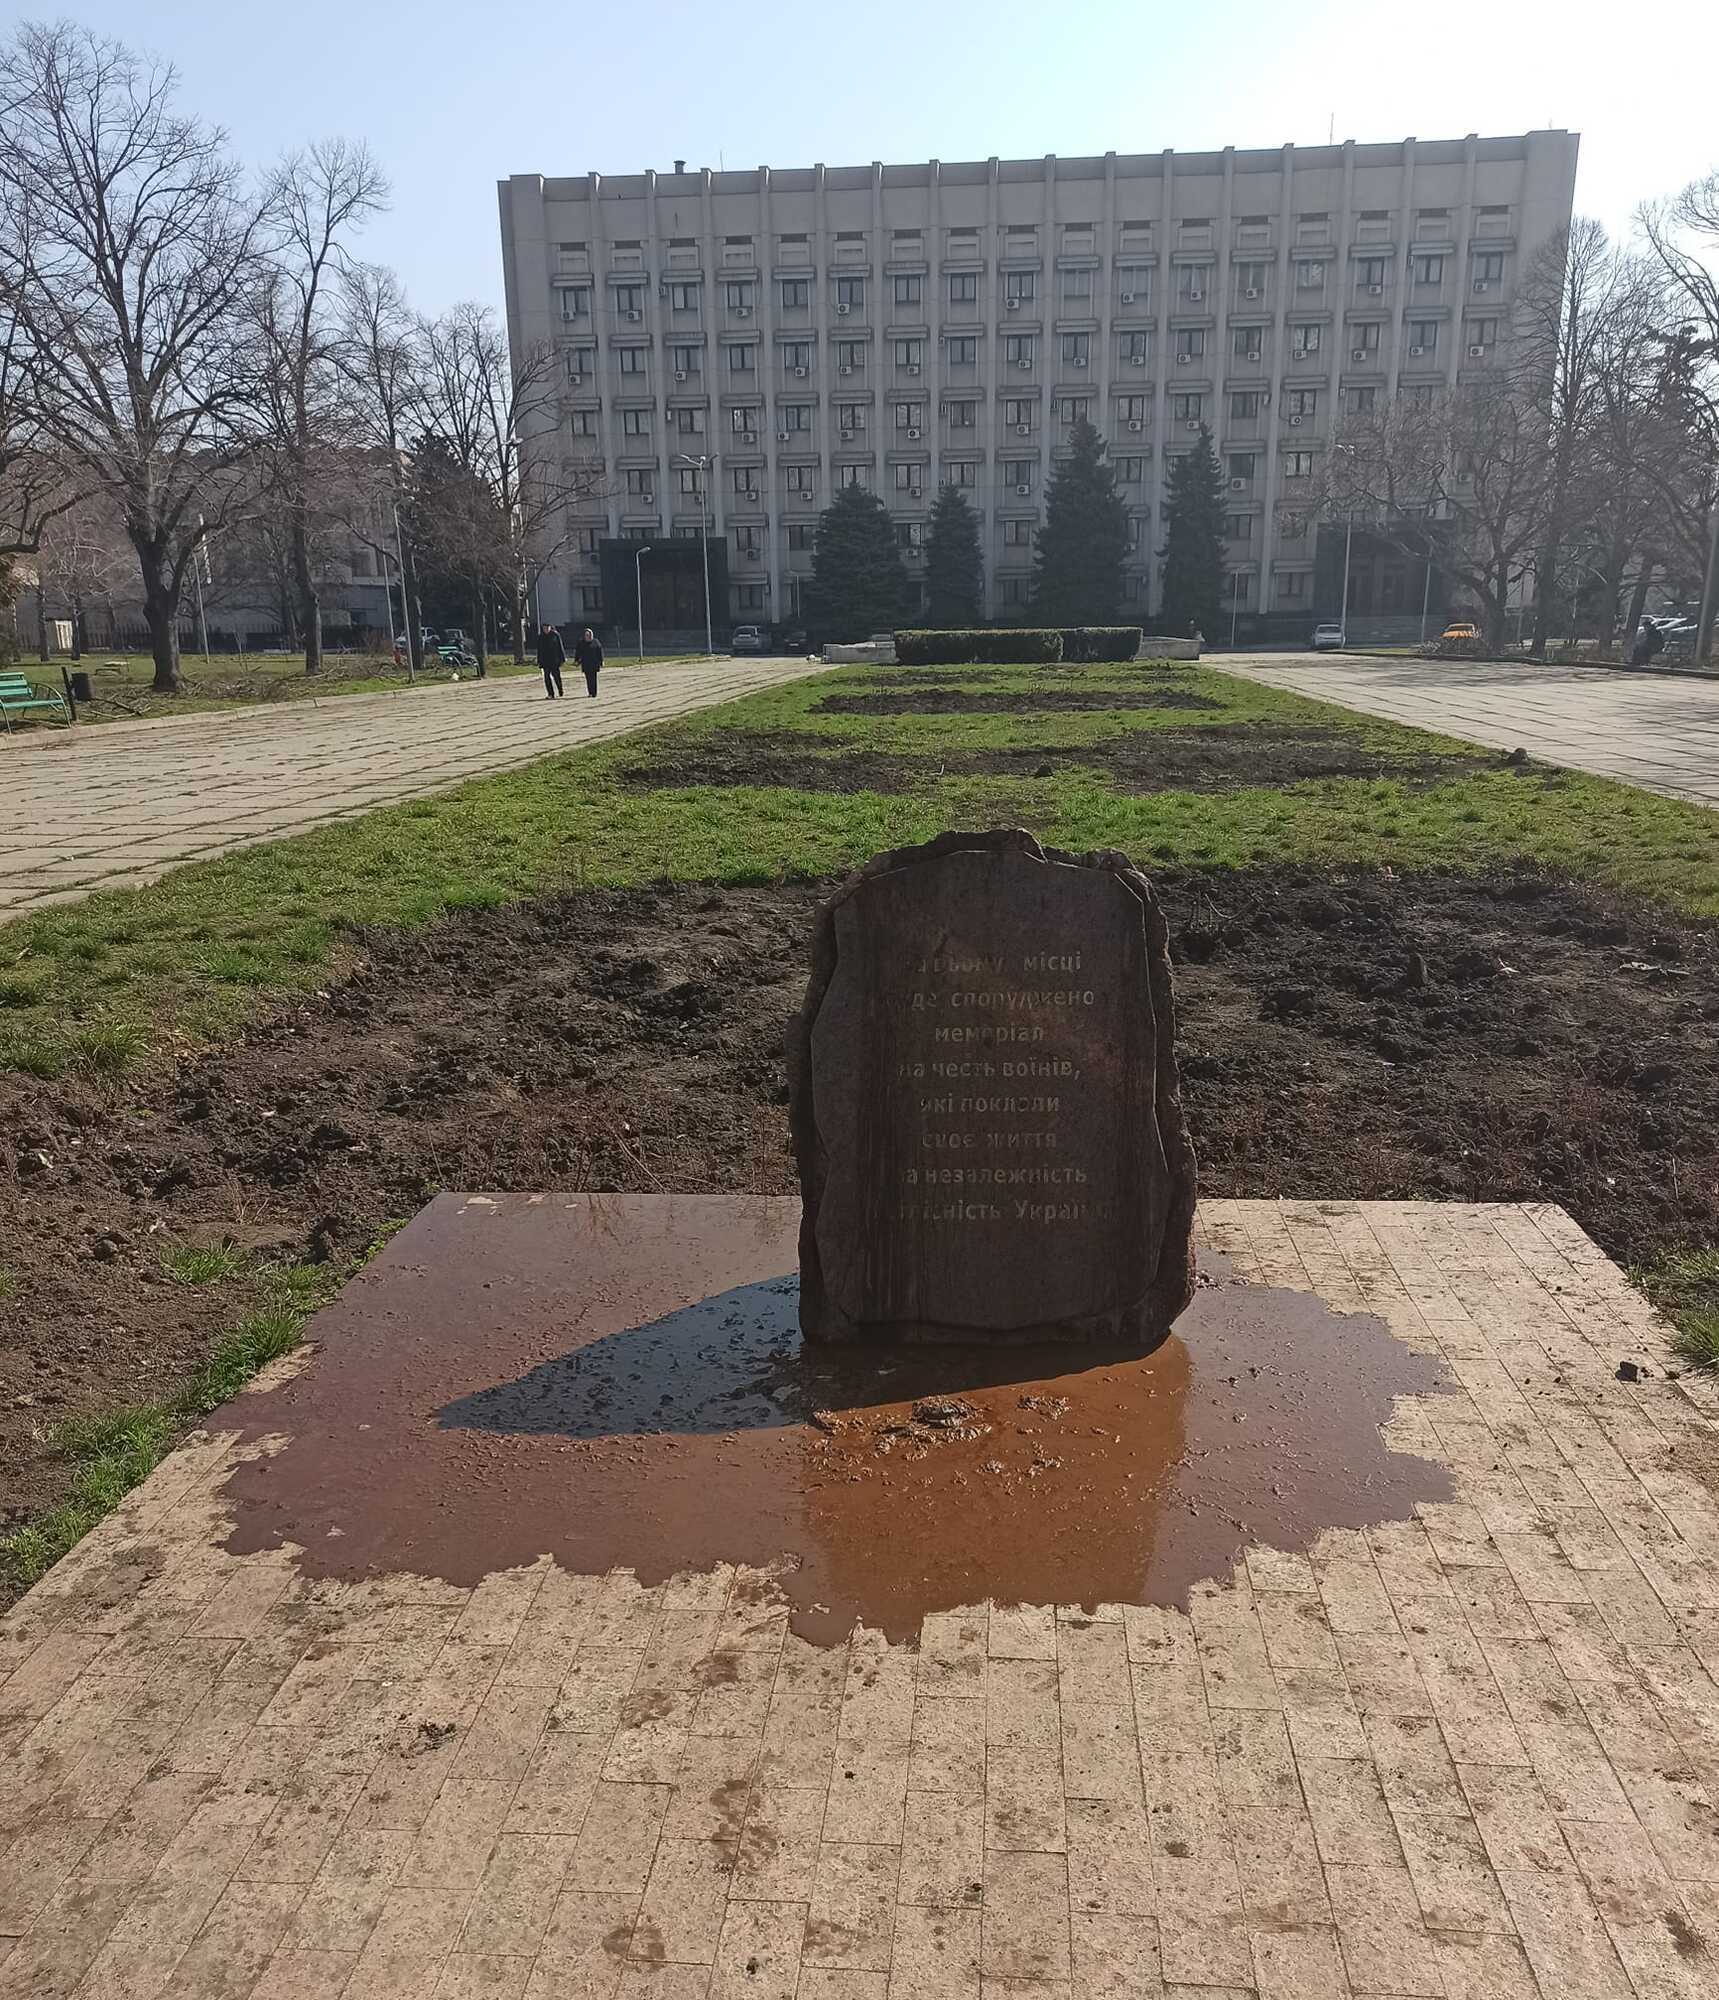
<point x="452" y="95"/>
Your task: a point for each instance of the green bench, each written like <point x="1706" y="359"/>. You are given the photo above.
<point x="17" y="697"/>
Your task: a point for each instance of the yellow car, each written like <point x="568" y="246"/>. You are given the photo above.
<point x="1461" y="628"/>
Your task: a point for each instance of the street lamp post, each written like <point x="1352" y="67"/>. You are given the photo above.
<point x="639" y="595"/>
<point x="706" y="463"/>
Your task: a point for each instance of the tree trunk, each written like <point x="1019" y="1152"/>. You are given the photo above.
<point x="521" y="603"/>
<point x="308" y="600"/>
<point x="161" y="615"/>
<point x="77" y="625"/>
<point x="480" y="636"/>
<point x="1545" y="583"/>
<point x="41" y="625"/>
<point x="1637" y="605"/>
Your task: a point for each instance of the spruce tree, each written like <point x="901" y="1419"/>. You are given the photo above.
<point x="859" y="584"/>
<point x="1084" y="542"/>
<point x="1193" y="548"/>
<point x="954" y="566"/>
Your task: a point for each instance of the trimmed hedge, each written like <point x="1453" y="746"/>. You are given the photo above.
<point x="1016" y="645"/>
<point x="1012" y="646"/>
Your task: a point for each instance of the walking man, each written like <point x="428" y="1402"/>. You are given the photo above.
<point x="550" y="656"/>
<point x="590" y="657"/>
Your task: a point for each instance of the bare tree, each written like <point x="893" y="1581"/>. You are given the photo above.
<point x="499" y="420"/>
<point x="320" y="195"/>
<point x="83" y="561"/>
<point x="132" y="262"/>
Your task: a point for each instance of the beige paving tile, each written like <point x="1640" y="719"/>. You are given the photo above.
<point x="1109" y="1844"/>
<point x="1025" y="1928"/>
<point x="777" y="1858"/>
<point x="1023" y="1800"/>
<point x="517" y="1895"/>
<point x="618" y="1840"/>
<point x="759" y="1955"/>
<point x="943" y="1850"/>
<point x="851" y="1920"/>
<point x="686" y="1896"/>
<point x="1385" y="1942"/>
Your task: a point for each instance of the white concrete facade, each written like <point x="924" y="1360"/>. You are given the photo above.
<point x="903" y="325"/>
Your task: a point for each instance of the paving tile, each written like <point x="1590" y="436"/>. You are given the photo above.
<point x="759" y="1955"/>
<point x="777" y="1857"/>
<point x="517" y="1895"/>
<point x="680" y="1920"/>
<point x="1385" y="1942"/>
<point x="1109" y="1844"/>
<point x="943" y="1850"/>
<point x="851" y="1919"/>
<point x="618" y="1840"/>
<point x="1023" y="1802"/>
<point x="1025" y="1929"/>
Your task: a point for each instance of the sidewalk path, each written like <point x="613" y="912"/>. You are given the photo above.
<point x="1645" y="729"/>
<point x="119" y="805"/>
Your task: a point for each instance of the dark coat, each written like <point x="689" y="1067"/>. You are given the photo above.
<point x="550" y="651"/>
<point x="589" y="654"/>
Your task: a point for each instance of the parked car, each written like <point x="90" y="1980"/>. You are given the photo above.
<point x="748" y="639"/>
<point x="1460" y="631"/>
<point x="1328" y="638"/>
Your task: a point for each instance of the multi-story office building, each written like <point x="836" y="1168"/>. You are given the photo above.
<point x="898" y="326"/>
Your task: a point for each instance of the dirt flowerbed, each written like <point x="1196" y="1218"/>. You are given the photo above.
<point x="1361" y="1035"/>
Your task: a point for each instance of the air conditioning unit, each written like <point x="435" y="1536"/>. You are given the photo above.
<point x="801" y="373"/>
<point x="1023" y="491"/>
<point x="782" y="437"/>
<point x="1482" y="285"/>
<point x="748" y="437"/>
<point x="1252" y="292"/>
<point x="1127" y="298"/>
<point x="1417" y="350"/>
<point x="1477" y="354"/>
<point x="1295" y="423"/>
<point x="1011" y="305"/>
<point x="742" y="312"/>
<point x="1193" y="423"/>
<point x="842" y="310"/>
<point x="1375" y="291"/>
<point x="1238" y="485"/>
<point x="576" y="381"/>
<point x="662" y="291"/>
<point x="1023" y="430"/>
<point x="912" y="368"/>
<point x="635" y="315"/>
<point x="1358" y="353"/>
<point x="680" y="374"/>
<point x="1182" y="360"/>
<point x="1024" y="364"/>
<point x="806" y="493"/>
<point x="849" y="436"/>
<point x="913" y="432"/>
<point x="916" y="493"/>
<point x="1137" y="361"/>
<point x="1196" y="298"/>
<point x="1299" y="353"/>
<point x="846" y="368"/>
<point x="1078" y="361"/>
<point x="1136" y="423"/>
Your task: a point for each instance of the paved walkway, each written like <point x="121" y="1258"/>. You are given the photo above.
<point x="120" y="804"/>
<point x="1472" y="1755"/>
<point x="1647" y="729"/>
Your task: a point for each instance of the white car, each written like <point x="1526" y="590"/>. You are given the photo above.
<point x="1328" y="638"/>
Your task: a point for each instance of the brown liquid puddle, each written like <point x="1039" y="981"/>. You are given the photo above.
<point x="619" y="1381"/>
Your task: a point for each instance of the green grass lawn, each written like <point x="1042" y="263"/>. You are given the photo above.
<point x="97" y="985"/>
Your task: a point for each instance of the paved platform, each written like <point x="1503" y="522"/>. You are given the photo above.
<point x="1472" y="1753"/>
<point x="118" y="805"/>
<point x="1651" y="730"/>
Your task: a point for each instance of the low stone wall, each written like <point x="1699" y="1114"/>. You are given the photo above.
<point x="879" y="652"/>
<point x="1168" y="649"/>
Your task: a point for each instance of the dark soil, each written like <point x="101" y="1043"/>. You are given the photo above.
<point x="1203" y="757"/>
<point x="1369" y="1036"/>
<point x="939" y="700"/>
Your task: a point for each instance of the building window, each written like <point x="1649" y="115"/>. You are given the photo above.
<point x="743" y="359"/>
<point x="738" y="292"/>
<point x="1301" y="403"/>
<point x="961" y="416"/>
<point x="1188" y="409"/>
<point x="1418" y="397"/>
<point x="795" y="416"/>
<point x="963" y="288"/>
<point x="1483" y="333"/>
<point x="909" y="353"/>
<point x="683" y="298"/>
<point x="851" y="416"/>
<point x="1191" y="343"/>
<point x="1076" y="409"/>
<point x="631" y="360"/>
<point x="850" y="355"/>
<point x="1423" y="333"/>
<point x="850" y="292"/>
<point x="575" y="301"/>
<point x="1018" y="534"/>
<point x="740" y="421"/>
<point x="584" y="423"/>
<point x="797" y="354"/>
<point x="1309" y="274"/>
<point x="630" y="301"/>
<point x="907" y="477"/>
<point x="1077" y="349"/>
<point x="688" y="360"/>
<point x="796" y="294"/>
<point x="1019" y="473"/>
<point x="1018" y="350"/>
<point x="636" y="423"/>
<point x="745" y="479"/>
<point x="1017" y="412"/>
<point x="1076" y="288"/>
<point x="1360" y="402"/>
<point x="962" y="351"/>
<point x="1021" y="286"/>
<point x="641" y="482"/>
<point x="800" y="537"/>
<point x="1250" y="279"/>
<point x="959" y="472"/>
<point x="850" y="475"/>
<point x="1131" y="470"/>
<point x="590" y="600"/>
<point x="909" y="289"/>
<point x="1306" y="339"/>
<point x="580" y="361"/>
<point x="587" y="539"/>
<point x="1238" y="528"/>
<point x="1298" y="465"/>
<point x="749" y="596"/>
<point x="1244" y="406"/>
<point x="689" y="423"/>
<point x="1489" y="267"/>
<point x="1132" y="409"/>
<point x="1291" y="586"/>
<point x="1012" y="591"/>
<point x="1365" y="339"/>
<point x="908" y="534"/>
<point x="1136" y="349"/>
<point x="686" y="477"/>
<point x="1248" y="344"/>
<point x="907" y="416"/>
<point x="1242" y="464"/>
<point x="802" y="478"/>
<point x="1429" y="270"/>
<point x="1193" y="282"/>
<point x="1370" y="273"/>
<point x="1134" y="284"/>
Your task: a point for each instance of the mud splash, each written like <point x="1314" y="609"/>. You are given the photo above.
<point x="618" y="1380"/>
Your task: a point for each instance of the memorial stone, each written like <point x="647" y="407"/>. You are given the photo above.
<point x="985" y="1104"/>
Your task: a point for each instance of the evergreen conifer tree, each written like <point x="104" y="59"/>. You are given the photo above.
<point x="859" y="583"/>
<point x="954" y="566"/>
<point x="1193" y="548"/>
<point x="1077" y="579"/>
